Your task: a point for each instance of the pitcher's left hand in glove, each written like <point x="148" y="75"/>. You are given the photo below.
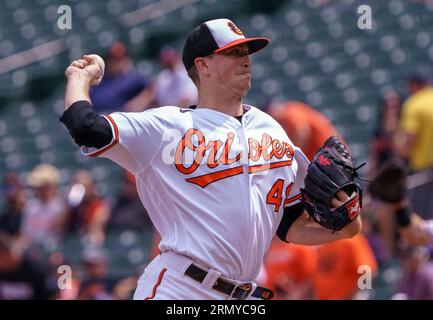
<point x="332" y="170"/>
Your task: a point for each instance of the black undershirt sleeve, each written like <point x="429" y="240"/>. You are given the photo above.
<point x="290" y="215"/>
<point x="85" y="126"/>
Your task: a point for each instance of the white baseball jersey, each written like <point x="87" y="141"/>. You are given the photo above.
<point x="213" y="186"/>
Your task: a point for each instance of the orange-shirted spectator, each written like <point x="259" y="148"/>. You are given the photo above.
<point x="289" y="270"/>
<point x="305" y="126"/>
<point x="339" y="270"/>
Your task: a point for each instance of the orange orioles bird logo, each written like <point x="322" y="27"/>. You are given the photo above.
<point x="235" y="28"/>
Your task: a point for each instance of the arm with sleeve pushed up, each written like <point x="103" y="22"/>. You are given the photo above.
<point x="86" y="127"/>
<point x="131" y="139"/>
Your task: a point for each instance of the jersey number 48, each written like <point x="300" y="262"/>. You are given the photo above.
<point x="275" y="194"/>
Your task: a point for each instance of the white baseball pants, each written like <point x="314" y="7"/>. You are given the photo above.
<point x="164" y="279"/>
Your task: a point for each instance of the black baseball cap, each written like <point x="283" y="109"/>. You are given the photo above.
<point x="214" y="36"/>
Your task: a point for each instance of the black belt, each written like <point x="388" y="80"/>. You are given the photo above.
<point x="237" y="291"/>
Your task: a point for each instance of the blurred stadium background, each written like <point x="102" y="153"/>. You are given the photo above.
<point x="318" y="55"/>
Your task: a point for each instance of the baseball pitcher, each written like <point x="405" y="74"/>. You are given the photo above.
<point x="218" y="179"/>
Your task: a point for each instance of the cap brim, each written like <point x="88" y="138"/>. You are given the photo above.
<point x="254" y="44"/>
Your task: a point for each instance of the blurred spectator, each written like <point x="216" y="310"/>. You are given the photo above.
<point x="289" y="270"/>
<point x="125" y="288"/>
<point x="128" y="212"/>
<point x="69" y="293"/>
<point x="172" y="86"/>
<point x="65" y="286"/>
<point x="10" y="219"/>
<point x="20" y="277"/>
<point x="45" y="215"/>
<point x="387" y="125"/>
<point x="415" y="140"/>
<point x="417" y="278"/>
<point x="412" y="141"/>
<point x="305" y="126"/>
<point x="95" y="284"/>
<point x="371" y="231"/>
<point x="338" y="267"/>
<point x="89" y="212"/>
<point x="122" y="87"/>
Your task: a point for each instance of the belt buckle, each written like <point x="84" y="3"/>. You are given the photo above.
<point x="242" y="291"/>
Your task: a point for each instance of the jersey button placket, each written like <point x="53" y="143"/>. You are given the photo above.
<point x="241" y="132"/>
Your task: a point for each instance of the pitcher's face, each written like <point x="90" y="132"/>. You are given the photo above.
<point x="232" y="68"/>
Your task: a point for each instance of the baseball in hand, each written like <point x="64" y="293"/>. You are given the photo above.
<point x="95" y="60"/>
